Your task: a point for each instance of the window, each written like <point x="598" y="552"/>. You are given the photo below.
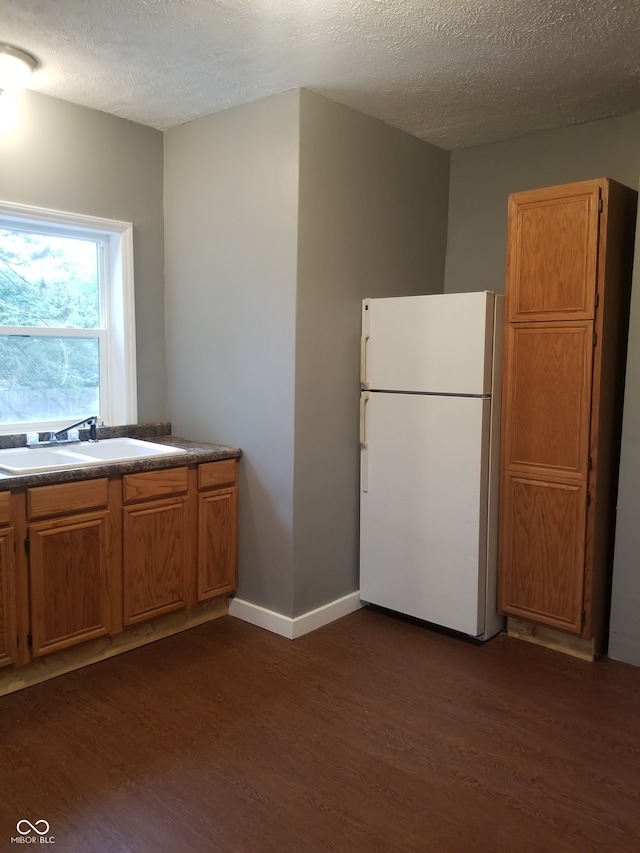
<point x="67" y="338"/>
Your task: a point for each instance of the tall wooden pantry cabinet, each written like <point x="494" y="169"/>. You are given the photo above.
<point x="569" y="262"/>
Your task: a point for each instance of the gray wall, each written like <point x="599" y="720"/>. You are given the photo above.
<point x="373" y="215"/>
<point x="280" y="216"/>
<point x="483" y="177"/>
<point x="231" y="210"/>
<point x="624" y="635"/>
<point x="481" y="180"/>
<point x="66" y="157"/>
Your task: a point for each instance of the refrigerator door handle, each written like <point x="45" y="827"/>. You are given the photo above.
<point x="364" y="337"/>
<point x="364" y="399"/>
<point x="363" y="361"/>
<point x="364" y="447"/>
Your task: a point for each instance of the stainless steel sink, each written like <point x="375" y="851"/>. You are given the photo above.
<point x="34" y="460"/>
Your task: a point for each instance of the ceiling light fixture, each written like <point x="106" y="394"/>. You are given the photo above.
<point x="16" y="66"/>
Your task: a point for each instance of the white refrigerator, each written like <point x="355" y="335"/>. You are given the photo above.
<point x="429" y="443"/>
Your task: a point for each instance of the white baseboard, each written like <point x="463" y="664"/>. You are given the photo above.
<point x="292" y="628"/>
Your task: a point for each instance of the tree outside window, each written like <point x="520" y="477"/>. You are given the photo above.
<point x="63" y="310"/>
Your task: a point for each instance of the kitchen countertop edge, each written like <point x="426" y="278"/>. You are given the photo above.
<point x="196" y="453"/>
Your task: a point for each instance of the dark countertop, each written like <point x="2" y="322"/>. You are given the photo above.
<point x="160" y="433"/>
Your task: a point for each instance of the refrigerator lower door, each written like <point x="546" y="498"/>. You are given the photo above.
<point x="423" y="530"/>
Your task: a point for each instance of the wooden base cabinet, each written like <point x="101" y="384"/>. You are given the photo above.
<point x="180" y="538"/>
<point x="156" y="535"/>
<point x="68" y="541"/>
<point x="86" y="560"/>
<point x="569" y="262"/>
<point x="217" y="528"/>
<point x="8" y="606"/>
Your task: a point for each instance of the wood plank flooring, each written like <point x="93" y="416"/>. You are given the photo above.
<point x="371" y="734"/>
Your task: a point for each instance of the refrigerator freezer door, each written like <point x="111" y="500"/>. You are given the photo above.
<point x="440" y="344"/>
<point x="423" y="530"/>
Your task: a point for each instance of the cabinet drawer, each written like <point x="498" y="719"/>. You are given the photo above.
<point x="45" y="501"/>
<point x="214" y="474"/>
<point x="5" y="507"/>
<point x="154" y="484"/>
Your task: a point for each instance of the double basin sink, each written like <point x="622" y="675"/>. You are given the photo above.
<point x="36" y="460"/>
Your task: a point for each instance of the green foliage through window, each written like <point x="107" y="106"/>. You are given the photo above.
<point x="46" y="280"/>
<point x="49" y="305"/>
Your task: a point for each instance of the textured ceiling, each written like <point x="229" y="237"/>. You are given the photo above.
<point x="452" y="72"/>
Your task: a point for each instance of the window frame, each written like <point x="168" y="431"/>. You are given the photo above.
<point x="118" y="377"/>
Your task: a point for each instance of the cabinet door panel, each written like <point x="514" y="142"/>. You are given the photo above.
<point x="155" y="545"/>
<point x="8" y="627"/>
<point x="217" y="543"/>
<point x="69" y="582"/>
<point x="542" y="554"/>
<point x="552" y="260"/>
<point x="547" y="397"/>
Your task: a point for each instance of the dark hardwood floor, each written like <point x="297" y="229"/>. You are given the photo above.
<point x="372" y="734"/>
